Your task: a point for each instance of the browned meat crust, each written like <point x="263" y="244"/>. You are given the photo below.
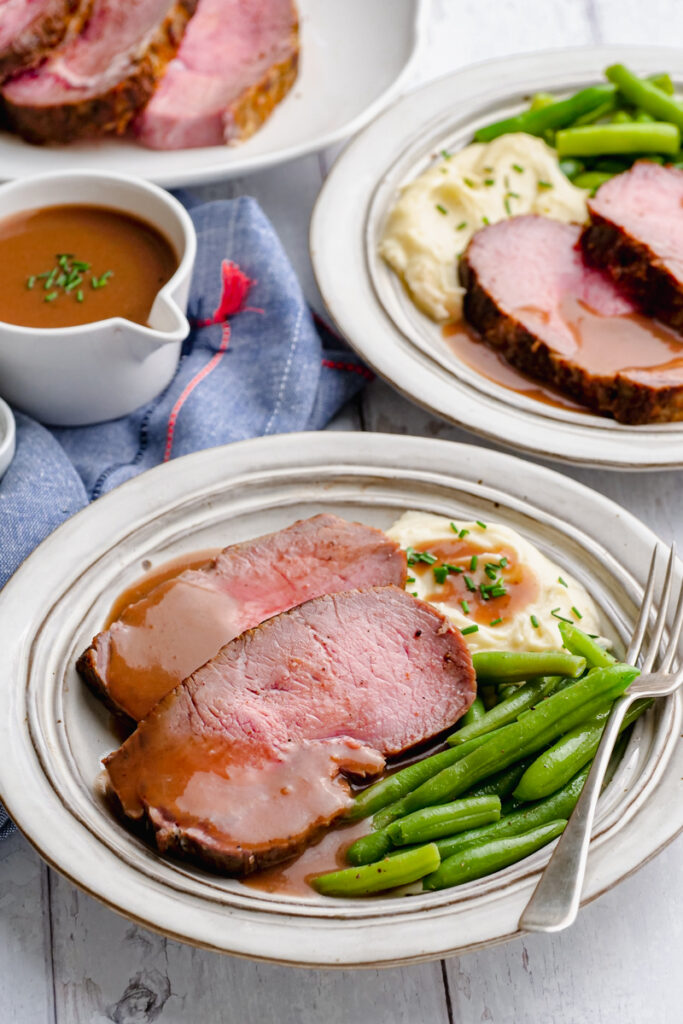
<point x="626" y="400"/>
<point x="45" y="32"/>
<point x="112" y="111"/>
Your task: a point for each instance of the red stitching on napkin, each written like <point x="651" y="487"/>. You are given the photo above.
<point x="362" y="371"/>
<point x="235" y="287"/>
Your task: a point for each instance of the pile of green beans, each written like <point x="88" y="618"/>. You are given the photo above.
<point x="506" y="784"/>
<point x="599" y="131"/>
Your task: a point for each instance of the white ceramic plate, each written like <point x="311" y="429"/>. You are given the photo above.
<point x="53" y="732"/>
<point x="372" y="308"/>
<point x="354" y="55"/>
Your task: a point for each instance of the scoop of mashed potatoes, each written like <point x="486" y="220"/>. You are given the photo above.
<point x="449" y="562"/>
<point x="437" y="214"/>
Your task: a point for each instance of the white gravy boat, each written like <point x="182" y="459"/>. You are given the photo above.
<point x="70" y="376"/>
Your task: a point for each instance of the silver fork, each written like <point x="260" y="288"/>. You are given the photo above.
<point x="555" y="902"/>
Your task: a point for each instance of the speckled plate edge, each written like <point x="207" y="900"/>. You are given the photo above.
<point x="375" y="315"/>
<point x="324" y="934"/>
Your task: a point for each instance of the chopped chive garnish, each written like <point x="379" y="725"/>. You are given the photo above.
<point x="480" y="524"/>
<point x="441" y="209"/>
<point x="469" y="629"/>
<point x="577" y="612"/>
<point x="50" y="279"/>
<point x="454" y="528"/>
<point x="413" y="593"/>
<point x="513" y="195"/>
<point x="468" y="182"/>
<point x="413" y="556"/>
<point x="489" y="181"/>
<point x="465" y="606"/>
<point x="562" y="618"/>
<point x="440" y="573"/>
<point x="518" y="168"/>
<point x="473" y="563"/>
<point x="31" y="281"/>
<point x="485" y="221"/>
<point x="445" y="154"/>
<point x="463" y="533"/>
<point x="506" y="204"/>
<point x="79" y="295"/>
<point x="490" y="571"/>
<point x="534" y="621"/>
<point x="410" y="579"/>
<point x="503" y="562"/>
<point x="453" y="568"/>
<point x="461" y="226"/>
<point x="563" y="582"/>
<point x="545" y="184"/>
<point x="495" y="622"/>
<point x="50" y="297"/>
<point x="468" y="583"/>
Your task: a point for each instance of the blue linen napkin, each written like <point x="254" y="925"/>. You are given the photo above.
<point x="265" y="369"/>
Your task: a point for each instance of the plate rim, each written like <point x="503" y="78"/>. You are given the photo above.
<point x="224" y="171"/>
<point x="457" y="460"/>
<point x="388" y="349"/>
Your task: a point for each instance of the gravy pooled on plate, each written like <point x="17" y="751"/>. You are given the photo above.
<point x="75" y="264"/>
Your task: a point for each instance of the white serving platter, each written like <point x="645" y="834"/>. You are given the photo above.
<point x="373" y="310"/>
<point x="53" y="732"/>
<point x="354" y="57"/>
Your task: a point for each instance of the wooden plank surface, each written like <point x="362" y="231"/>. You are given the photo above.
<point x="65" y="959"/>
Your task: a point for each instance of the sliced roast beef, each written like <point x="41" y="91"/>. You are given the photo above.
<point x="237" y="61"/>
<point x="29" y="29"/>
<point x="160" y="640"/>
<point x="239" y="767"/>
<point x="636" y="235"/>
<point x="100" y="78"/>
<point x="531" y="296"/>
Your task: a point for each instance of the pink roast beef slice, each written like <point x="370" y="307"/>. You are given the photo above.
<point x="159" y="641"/>
<point x="531" y="296"/>
<point x="636" y="233"/>
<point x="239" y="767"/>
<point x="99" y="79"/>
<point x="29" y="29"/>
<point x="237" y="61"/>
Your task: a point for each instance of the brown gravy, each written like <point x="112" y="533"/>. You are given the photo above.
<point x="631" y="344"/>
<point x="128" y="259"/>
<point x="154" y="576"/>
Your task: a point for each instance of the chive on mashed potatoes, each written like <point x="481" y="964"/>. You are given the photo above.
<point x="437" y="214"/>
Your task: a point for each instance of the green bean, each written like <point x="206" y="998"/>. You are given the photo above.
<point x="530" y="816"/>
<point x="572" y="751"/>
<point x="663" y="82"/>
<point x="435" y="822"/>
<point x="486" y="858"/>
<point x="502" y="783"/>
<point x="540" y="100"/>
<point x="645" y="95"/>
<point x="516" y="666"/>
<point x="531" y="733"/>
<point x="595" y="140"/>
<point x="622" y="117"/>
<point x="474" y="713"/>
<point x="578" y="642"/>
<point x="369" y="848"/>
<point x="384" y="792"/>
<point x="611" y="164"/>
<point x="555" y="115"/>
<point x="591" y="116"/>
<point x="642" y="117"/>
<point x="385" y="874"/>
<point x="571" y="167"/>
<point x="592" y="180"/>
<point x="507" y="711"/>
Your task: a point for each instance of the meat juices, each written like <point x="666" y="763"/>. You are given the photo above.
<point x="159" y="641"/>
<point x="238" y="59"/>
<point x="635" y="235"/>
<point x="240" y="766"/>
<point x="531" y="296"/>
<point x="99" y="79"/>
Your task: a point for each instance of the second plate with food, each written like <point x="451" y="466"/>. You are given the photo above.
<point x="373" y="308"/>
<point x="54" y="732"/>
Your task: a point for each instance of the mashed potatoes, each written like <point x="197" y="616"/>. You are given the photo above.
<point x="492" y="578"/>
<point x="437" y="214"/>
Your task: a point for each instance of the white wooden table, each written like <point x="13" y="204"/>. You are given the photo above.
<point x="66" y="959"/>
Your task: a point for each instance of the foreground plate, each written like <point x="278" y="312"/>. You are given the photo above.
<point x="53" y="732"/>
<point x="353" y="58"/>
<point x="373" y="309"/>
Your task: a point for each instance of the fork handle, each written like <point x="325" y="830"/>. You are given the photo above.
<point x="555" y="902"/>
